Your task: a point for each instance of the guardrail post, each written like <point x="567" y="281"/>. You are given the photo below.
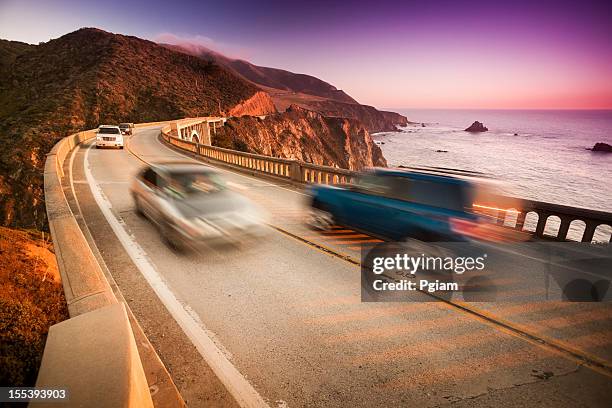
<point x="501" y="217"/>
<point x="563" y="228"/>
<point x="296" y="171"/>
<point x="589" y="231"/>
<point x="520" y="220"/>
<point x="542" y="218"/>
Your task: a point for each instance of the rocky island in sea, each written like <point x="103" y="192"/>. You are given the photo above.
<point x="477" y="127"/>
<point x="602" y="147"/>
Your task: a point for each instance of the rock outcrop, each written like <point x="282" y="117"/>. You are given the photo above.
<point x="477" y="127"/>
<point x="258" y="104"/>
<point x="373" y="119"/>
<point x="395" y="118"/>
<point x="305" y="135"/>
<point x="602" y="147"/>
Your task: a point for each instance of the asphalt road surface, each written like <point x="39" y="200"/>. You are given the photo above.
<point x="280" y="321"/>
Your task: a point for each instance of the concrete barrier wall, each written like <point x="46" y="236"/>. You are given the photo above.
<point x="163" y="122"/>
<point x="85" y="285"/>
<point x="95" y="359"/>
<point x="93" y="354"/>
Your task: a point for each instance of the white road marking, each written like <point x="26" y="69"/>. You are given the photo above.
<point x="70" y="166"/>
<point x="237" y="385"/>
<point x="99" y="182"/>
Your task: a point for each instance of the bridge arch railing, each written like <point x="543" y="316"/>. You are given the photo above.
<point x="301" y="172"/>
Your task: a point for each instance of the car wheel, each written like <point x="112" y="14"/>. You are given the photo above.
<point x="138" y="208"/>
<point x="169" y="238"/>
<point x="320" y="220"/>
<point x="416" y="248"/>
<point x="480" y="289"/>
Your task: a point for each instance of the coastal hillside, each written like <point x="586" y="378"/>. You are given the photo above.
<point x="9" y="50"/>
<point x="289" y="81"/>
<point x="89" y="77"/>
<point x="288" y="88"/>
<point x="305" y="135"/>
<point x="274" y="78"/>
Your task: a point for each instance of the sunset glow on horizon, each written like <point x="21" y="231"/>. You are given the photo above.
<point x="465" y="54"/>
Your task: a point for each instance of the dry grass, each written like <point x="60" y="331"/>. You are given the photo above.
<point x="31" y="300"/>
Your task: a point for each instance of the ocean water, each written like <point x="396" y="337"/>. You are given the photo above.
<point x="538" y="154"/>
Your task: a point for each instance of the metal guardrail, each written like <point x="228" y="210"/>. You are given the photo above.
<point x="301" y="172"/>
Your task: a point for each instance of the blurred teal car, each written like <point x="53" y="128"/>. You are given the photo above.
<point x="427" y="204"/>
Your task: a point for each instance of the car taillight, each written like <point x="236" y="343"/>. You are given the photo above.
<point x="485" y="231"/>
<point x="465" y="227"/>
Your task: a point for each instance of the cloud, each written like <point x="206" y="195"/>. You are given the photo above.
<point x="199" y="43"/>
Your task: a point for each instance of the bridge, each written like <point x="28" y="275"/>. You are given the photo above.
<point x="281" y="322"/>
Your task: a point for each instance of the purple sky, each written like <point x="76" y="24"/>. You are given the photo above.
<point x="459" y="54"/>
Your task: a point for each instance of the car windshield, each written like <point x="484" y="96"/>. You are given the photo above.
<point x="373" y="184"/>
<point x="108" y="130"/>
<point x="124" y="126"/>
<point x="436" y="193"/>
<point x="186" y="184"/>
<point x="453" y="196"/>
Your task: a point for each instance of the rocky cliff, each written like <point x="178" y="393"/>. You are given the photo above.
<point x="305" y="135"/>
<point x="395" y="118"/>
<point x="373" y="119"/>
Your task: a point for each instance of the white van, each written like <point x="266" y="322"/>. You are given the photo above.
<point x="109" y="136"/>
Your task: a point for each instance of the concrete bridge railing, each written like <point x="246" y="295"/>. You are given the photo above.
<point x="300" y="172"/>
<point x="93" y="354"/>
<point x="561" y="216"/>
<point x="198" y="130"/>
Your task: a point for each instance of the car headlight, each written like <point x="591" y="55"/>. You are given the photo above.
<point x="207" y="229"/>
<point x="188" y="228"/>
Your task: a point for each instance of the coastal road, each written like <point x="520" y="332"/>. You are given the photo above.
<point x="280" y="321"/>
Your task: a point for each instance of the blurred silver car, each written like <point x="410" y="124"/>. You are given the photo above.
<point x="191" y="204"/>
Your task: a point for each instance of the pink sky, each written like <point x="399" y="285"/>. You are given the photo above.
<point x="386" y="53"/>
